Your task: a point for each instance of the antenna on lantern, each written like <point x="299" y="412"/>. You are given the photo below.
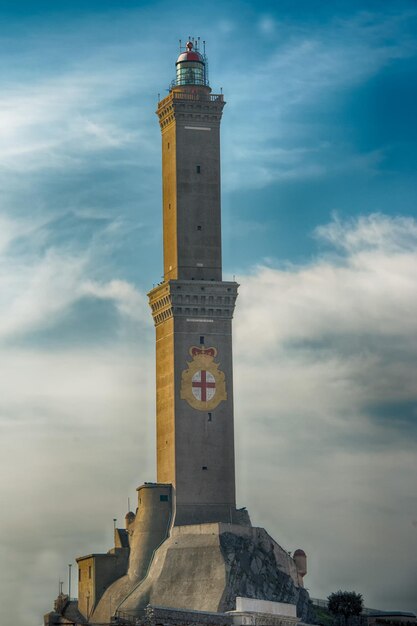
<point x="180" y="44"/>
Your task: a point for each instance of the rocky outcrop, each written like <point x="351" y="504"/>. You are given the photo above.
<point x="259" y="568"/>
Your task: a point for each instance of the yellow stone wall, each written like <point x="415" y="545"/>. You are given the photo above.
<point x="169" y="194"/>
<point x="165" y="402"/>
<point x="86" y="599"/>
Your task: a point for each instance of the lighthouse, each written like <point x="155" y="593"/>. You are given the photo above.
<point x="187" y="554"/>
<point x="193" y="307"/>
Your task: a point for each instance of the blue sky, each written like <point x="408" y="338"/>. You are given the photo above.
<point x="319" y="227"/>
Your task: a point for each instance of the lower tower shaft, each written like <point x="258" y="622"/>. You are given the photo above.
<point x="194" y="380"/>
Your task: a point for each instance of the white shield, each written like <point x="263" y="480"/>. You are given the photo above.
<point x="203" y="385"/>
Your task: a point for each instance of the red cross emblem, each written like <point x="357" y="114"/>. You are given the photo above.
<point x="203" y="385"/>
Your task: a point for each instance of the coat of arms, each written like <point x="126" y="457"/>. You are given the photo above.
<point x="202" y="384"/>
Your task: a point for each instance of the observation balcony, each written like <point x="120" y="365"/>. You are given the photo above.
<point x="187" y="95"/>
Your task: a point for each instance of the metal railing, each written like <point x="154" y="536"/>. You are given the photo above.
<point x="127" y="618"/>
<point x="185" y="95"/>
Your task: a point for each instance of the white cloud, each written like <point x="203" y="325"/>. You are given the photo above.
<point x="365" y="292"/>
<point x="128" y="300"/>
<point x="38" y="290"/>
<point x="371" y="232"/>
<point x="33" y="295"/>
<point x="56" y="121"/>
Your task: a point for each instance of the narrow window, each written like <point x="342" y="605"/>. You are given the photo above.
<point x="89" y="571"/>
<point x="198" y="169"/>
<point x="163" y="498"/>
<point x="168" y="145"/>
<point x="209" y="417"/>
<point x="201" y="340"/>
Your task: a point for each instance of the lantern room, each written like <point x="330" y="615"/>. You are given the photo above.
<point x="191" y="67"/>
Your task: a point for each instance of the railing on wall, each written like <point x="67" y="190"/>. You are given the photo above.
<point x="183" y="95"/>
<point x="123" y="618"/>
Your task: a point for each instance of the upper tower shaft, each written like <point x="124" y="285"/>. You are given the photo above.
<point x="190" y="123"/>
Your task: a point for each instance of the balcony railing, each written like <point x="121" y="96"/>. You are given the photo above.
<point x="196" y="97"/>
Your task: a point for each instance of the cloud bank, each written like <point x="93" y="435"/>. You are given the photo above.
<point x="325" y="396"/>
<point x="326" y="406"/>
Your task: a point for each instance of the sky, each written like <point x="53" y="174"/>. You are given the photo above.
<point x="319" y="157"/>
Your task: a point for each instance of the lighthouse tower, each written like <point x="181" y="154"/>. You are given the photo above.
<point x="193" y="307"/>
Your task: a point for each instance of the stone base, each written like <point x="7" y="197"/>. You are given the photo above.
<point x="205" y="568"/>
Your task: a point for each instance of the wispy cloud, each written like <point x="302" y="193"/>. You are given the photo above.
<point x="39" y="287"/>
<point x="303" y="72"/>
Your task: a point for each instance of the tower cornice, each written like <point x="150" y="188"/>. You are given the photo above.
<point x="193" y="299"/>
<point x="187" y="105"/>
